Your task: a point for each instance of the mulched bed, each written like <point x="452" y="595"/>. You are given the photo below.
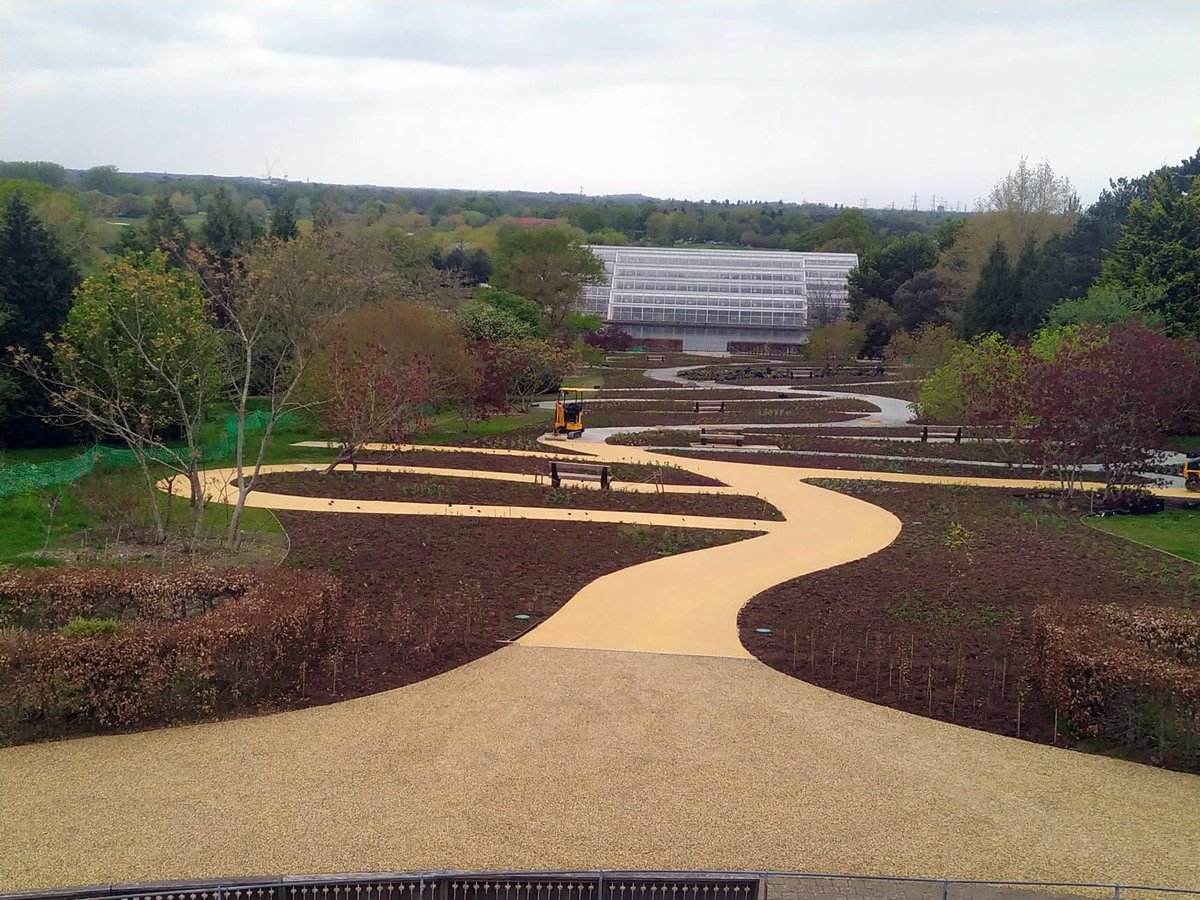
<point x="900" y="390"/>
<point x="777" y="374"/>
<point x="670" y="360"/>
<point x="674" y="412"/>
<point x="532" y="465"/>
<point x="627" y="378"/>
<point x="807" y="439"/>
<point x="518" y="439"/>
<point x="694" y="394"/>
<point x="413" y="488"/>
<point x="858" y="464"/>
<point x="424" y="594"/>
<point x="935" y="623"/>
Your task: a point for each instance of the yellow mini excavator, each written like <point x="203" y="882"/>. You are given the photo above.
<point x="568" y="412"/>
<point x="1191" y="474"/>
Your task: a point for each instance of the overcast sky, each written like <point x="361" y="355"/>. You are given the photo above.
<point x="830" y="101"/>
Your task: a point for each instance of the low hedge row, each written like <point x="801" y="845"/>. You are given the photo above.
<point x="257" y="645"/>
<point x="1128" y="676"/>
<point x="49" y="598"/>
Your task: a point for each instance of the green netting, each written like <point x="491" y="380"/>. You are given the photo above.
<point x="23" y="477"/>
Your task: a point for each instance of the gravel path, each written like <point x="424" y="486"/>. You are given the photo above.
<point x="543" y="757"/>
<point x="552" y="758"/>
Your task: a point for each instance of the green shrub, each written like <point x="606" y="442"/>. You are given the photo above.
<point x="89" y="627"/>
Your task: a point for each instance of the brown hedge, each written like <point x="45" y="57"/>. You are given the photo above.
<point x="49" y="598"/>
<point x="1130" y="676"/>
<point x="272" y="628"/>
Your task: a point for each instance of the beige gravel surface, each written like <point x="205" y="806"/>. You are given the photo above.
<point x="544" y="757"/>
<point x="549" y="757"/>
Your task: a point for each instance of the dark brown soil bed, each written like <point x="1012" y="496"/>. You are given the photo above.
<point x="937" y="623"/>
<point x="804" y="460"/>
<point x="627" y="378"/>
<point x="878" y="431"/>
<point x="667" y="473"/>
<point x="670" y="360"/>
<point x="807" y="439"/>
<point x="424" y="594"/>
<point x="690" y="394"/>
<point x="777" y="373"/>
<point x="675" y="412"/>
<point x="901" y="390"/>
<point x="517" y="439"/>
<point x="413" y="488"/>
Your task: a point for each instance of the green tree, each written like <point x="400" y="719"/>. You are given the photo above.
<point x="485" y="322"/>
<point x="928" y="298"/>
<point x="879" y="322"/>
<point x="547" y="265"/>
<point x="1029" y="306"/>
<point x="530" y="367"/>
<point x="137" y="360"/>
<point x="182" y="203"/>
<point x="1159" y="250"/>
<point x="835" y="345"/>
<point x="283" y="220"/>
<point x="959" y="389"/>
<point x="990" y="306"/>
<point x="325" y="217"/>
<point x="608" y="237"/>
<point x="47" y="173"/>
<point x="227" y="228"/>
<point x="256" y="210"/>
<point x="882" y="270"/>
<point x="36" y="281"/>
<point x="1107" y="305"/>
<point x="164" y="230"/>
<point x="520" y="308"/>
<point x="921" y="352"/>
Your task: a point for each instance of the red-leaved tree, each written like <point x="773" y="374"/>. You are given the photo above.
<point x="480" y="389"/>
<point x="370" y="395"/>
<point x="612" y="338"/>
<point x="1112" y="397"/>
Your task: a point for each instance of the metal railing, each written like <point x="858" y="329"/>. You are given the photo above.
<point x="606" y="885"/>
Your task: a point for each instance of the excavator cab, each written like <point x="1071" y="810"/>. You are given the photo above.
<point x="568" y="412"/>
<point x="1191" y="474"/>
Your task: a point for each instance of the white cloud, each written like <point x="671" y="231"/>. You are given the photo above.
<point x="819" y="100"/>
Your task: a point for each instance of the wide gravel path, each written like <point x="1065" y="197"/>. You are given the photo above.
<point x="544" y="756"/>
<point x="549" y="758"/>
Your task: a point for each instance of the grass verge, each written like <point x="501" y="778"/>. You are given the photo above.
<point x="1174" y="530"/>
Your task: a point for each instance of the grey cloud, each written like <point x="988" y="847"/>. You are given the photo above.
<point x="825" y="100"/>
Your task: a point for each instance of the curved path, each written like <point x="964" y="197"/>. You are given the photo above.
<point x="545" y="756"/>
<point x="892" y="411"/>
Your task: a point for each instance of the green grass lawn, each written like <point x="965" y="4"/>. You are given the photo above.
<point x="589" y="379"/>
<point x="1175" y="530"/>
<point x="447" y="427"/>
<point x="1189" y="445"/>
<point x="26" y="519"/>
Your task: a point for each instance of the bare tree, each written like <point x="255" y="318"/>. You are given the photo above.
<point x="1032" y="191"/>
<point x="276" y="308"/>
<point x="826" y="304"/>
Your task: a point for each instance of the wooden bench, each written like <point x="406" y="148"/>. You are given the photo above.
<point x="926" y="434"/>
<point x="733" y="436"/>
<point x="709" y="407"/>
<point x="653" y="357"/>
<point x="579" y="472"/>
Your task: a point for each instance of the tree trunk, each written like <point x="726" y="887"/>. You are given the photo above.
<point x="240" y="454"/>
<point x="345" y="454"/>
<point x="197" y="505"/>
<point x="160" y="533"/>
